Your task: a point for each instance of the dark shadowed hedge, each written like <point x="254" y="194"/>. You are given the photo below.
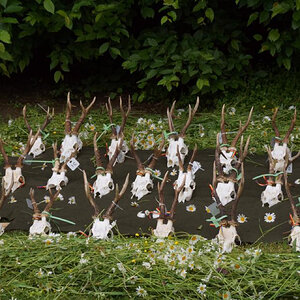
<point x="174" y="48"/>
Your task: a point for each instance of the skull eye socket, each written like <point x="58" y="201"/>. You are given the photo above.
<point x="192" y="185"/>
<point x="110" y="185"/>
<point x="280" y="197"/>
<point x="183" y="151"/>
<point x="233" y="163"/>
<point x="232" y="194"/>
<point x="75" y="146"/>
<point x="149" y="187"/>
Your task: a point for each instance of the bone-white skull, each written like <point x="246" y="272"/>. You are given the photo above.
<point x="163" y="230"/>
<point x="228" y="162"/>
<point x="189" y="186"/>
<point x="123" y="150"/>
<point x="295" y="237"/>
<point x="57" y="180"/>
<point x="171" y="154"/>
<point x="227" y="237"/>
<point x="271" y="195"/>
<point x="40" y="227"/>
<point x="226" y="192"/>
<point x="38" y="147"/>
<point x="101" y="229"/>
<point x="70" y="144"/>
<point x="278" y="154"/>
<point x="142" y="186"/>
<point x="1" y="229"/>
<point x="103" y="185"/>
<point x="15" y="176"/>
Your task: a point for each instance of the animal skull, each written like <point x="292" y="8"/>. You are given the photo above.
<point x="101" y="229"/>
<point x="227" y="237"/>
<point x="38" y="147"/>
<point x="227" y="160"/>
<point x="123" y="149"/>
<point x="103" y="185"/>
<point x="271" y="195"/>
<point x="57" y="180"/>
<point x="40" y="227"/>
<point x="278" y="155"/>
<point x="295" y="237"/>
<point x="13" y="179"/>
<point x="70" y="145"/>
<point x="226" y="192"/>
<point x="163" y="230"/>
<point x="141" y="186"/>
<point x="171" y="154"/>
<point x="189" y="186"/>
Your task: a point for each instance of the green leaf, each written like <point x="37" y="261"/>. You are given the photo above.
<point x="287" y="63"/>
<point x="274" y="35"/>
<point x="6" y="56"/>
<point x="297" y="4"/>
<point x="4" y="36"/>
<point x="173" y="15"/>
<point x="147" y="12"/>
<point x="200" y="5"/>
<point x="235" y="44"/>
<point x="3" y="3"/>
<point x="201" y="83"/>
<point x="103" y="48"/>
<point x="115" y="51"/>
<point x="152" y="42"/>
<point x="280" y="8"/>
<point x="209" y="13"/>
<point x="163" y="20"/>
<point x="13" y="8"/>
<point x="257" y="37"/>
<point x="9" y="21"/>
<point x="2" y="47"/>
<point x="22" y="65"/>
<point x="252" y="18"/>
<point x="4" y="69"/>
<point x="57" y="76"/>
<point x="49" y="6"/>
<point x="151" y="73"/>
<point x="264" y="16"/>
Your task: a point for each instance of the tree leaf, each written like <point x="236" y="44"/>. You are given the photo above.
<point x="257" y="37"/>
<point x="115" y="51"/>
<point x="274" y="35"/>
<point x="287" y="63"/>
<point x="209" y="13"/>
<point x="57" y="76"/>
<point x="201" y="83"/>
<point x="252" y="18"/>
<point x="163" y="20"/>
<point x="49" y="6"/>
<point x="147" y="12"/>
<point x="2" y="47"/>
<point x="235" y="44"/>
<point x="4" y="36"/>
<point x="103" y="48"/>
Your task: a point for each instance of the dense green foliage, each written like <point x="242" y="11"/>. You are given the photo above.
<point x="171" y="47"/>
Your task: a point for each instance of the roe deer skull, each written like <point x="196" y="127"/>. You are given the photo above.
<point x="227" y="237"/>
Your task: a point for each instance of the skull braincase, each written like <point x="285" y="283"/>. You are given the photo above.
<point x="226" y="192"/>
<point x="226" y="238"/>
<point x="70" y="144"/>
<point x="123" y="150"/>
<point x="103" y="185"/>
<point x="227" y="162"/>
<point x="163" y="230"/>
<point x="141" y="186"/>
<point x="38" y="147"/>
<point x="189" y="186"/>
<point x="101" y="229"/>
<point x="14" y="176"/>
<point x="278" y="154"/>
<point x="295" y="237"/>
<point x="57" y="180"/>
<point x="272" y="195"/>
<point x="40" y="227"/>
<point x="172" y="158"/>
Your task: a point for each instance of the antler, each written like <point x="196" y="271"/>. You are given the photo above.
<point x="83" y="115"/>
<point x="97" y="153"/>
<point x="110" y="210"/>
<point x="56" y="160"/>
<point x="170" y="114"/>
<point x="52" y="199"/>
<point x="293" y="122"/>
<point x="223" y="131"/>
<point x="5" y="157"/>
<point x="110" y="115"/>
<point x="243" y="153"/>
<point x="33" y="202"/>
<point x="124" y="115"/>
<point x="180" y="163"/>
<point x="157" y="152"/>
<point x="48" y="119"/>
<point x="177" y="192"/>
<point x="25" y="119"/>
<point x="238" y="195"/>
<point x="190" y="165"/>
<point x="109" y="167"/>
<point x="242" y="129"/>
<point x="140" y="166"/>
<point x="190" y="118"/>
<point x="3" y="194"/>
<point x="89" y="196"/>
<point x="162" y="206"/>
<point x="31" y="140"/>
<point x="68" y="126"/>
<point x="218" y="152"/>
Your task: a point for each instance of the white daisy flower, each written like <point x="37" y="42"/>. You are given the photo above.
<point x="9" y="122"/>
<point x="191" y="265"/>
<point x="182" y="258"/>
<point x="194" y="239"/>
<point x="147" y="265"/>
<point x="48" y="241"/>
<point x="157" y="172"/>
<point x="1" y="242"/>
<point x="266" y="119"/>
<point x="47" y="199"/>
<point x="241" y="218"/>
<point x="226" y="295"/>
<point x="83" y="260"/>
<point x="121" y="267"/>
<point x="269" y="217"/>
<point x="141" y="121"/>
<point x="152" y="127"/>
<point x="72" y="200"/>
<point x="190" y="250"/>
<point x="201" y="130"/>
<point x="191" y="208"/>
<point x="92" y="127"/>
<point x="40" y="273"/>
<point x="257" y="252"/>
<point x="173" y="172"/>
<point x="297" y="181"/>
<point x="232" y="111"/>
<point x="12" y="200"/>
<point x="141" y="292"/>
<point x="201" y="289"/>
<point x="134" y="204"/>
<point x="60" y="197"/>
<point x="183" y="273"/>
<point x="292" y="107"/>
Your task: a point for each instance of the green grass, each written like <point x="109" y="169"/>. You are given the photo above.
<point x="76" y="267"/>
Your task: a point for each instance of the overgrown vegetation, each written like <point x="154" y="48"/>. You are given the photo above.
<point x="64" y="266"/>
<point x="174" y="49"/>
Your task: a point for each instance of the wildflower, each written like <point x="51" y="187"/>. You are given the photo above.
<point x="152" y="127"/>
<point x="191" y="208"/>
<point x="292" y="107"/>
<point x="297" y="181"/>
<point x="132" y="279"/>
<point x="83" y="134"/>
<point x="113" y="270"/>
<point x="241" y="218"/>
<point x="257" y="252"/>
<point x="46" y="199"/>
<point x="191" y="265"/>
<point x="134" y="204"/>
<point x="92" y="127"/>
<point x="180" y="111"/>
<point x="232" y="111"/>
<point x="141" y="292"/>
<point x="201" y="289"/>
<point x="48" y="241"/>
<point x="182" y="259"/>
<point x="190" y="250"/>
<point x="266" y="119"/>
<point x="141" y="121"/>
<point x="136" y="140"/>
<point x="269" y="217"/>
<point x="12" y="199"/>
<point x="1" y="242"/>
<point x="237" y="267"/>
<point x="201" y="130"/>
<point x="44" y="166"/>
<point x="207" y="209"/>
<point x="194" y="239"/>
<point x="72" y="200"/>
<point x="83" y="260"/>
<point x="147" y="265"/>
<point x="9" y="122"/>
<point x="60" y="197"/>
<point x="121" y="267"/>
<point x="40" y="273"/>
<point x="173" y="172"/>
<point x="69" y="234"/>
<point x="183" y="273"/>
<point x="226" y="295"/>
<point x="171" y="248"/>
